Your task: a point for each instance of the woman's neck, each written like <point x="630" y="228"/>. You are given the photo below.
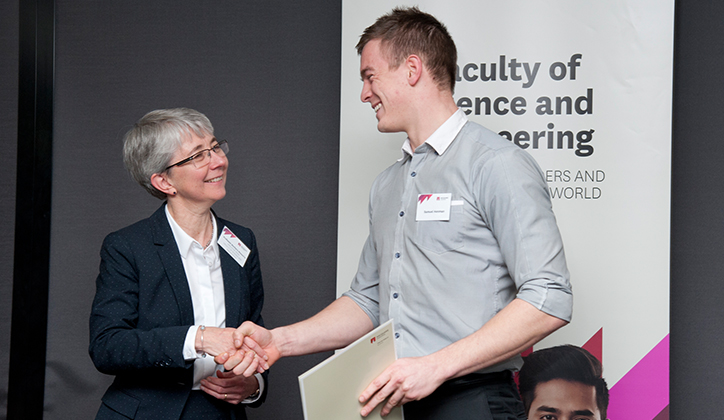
<point x="196" y="223"/>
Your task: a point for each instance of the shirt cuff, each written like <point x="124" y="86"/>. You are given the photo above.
<point x="189" y="350"/>
<point x="368" y="305"/>
<point x="555" y="299"/>
<point x="261" y="390"/>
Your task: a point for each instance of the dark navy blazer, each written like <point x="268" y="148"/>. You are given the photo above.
<point x="142" y="311"/>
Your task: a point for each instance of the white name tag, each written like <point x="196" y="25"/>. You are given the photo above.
<point x="234" y="246"/>
<point x="433" y="207"/>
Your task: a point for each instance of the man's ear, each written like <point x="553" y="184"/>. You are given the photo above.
<point x="161" y="183"/>
<point x="413" y="64"/>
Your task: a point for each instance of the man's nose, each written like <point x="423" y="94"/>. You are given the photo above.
<point x="366" y="92"/>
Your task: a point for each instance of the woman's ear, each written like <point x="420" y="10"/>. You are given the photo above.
<point x="161" y="183"/>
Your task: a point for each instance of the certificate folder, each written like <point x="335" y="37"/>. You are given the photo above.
<point x="331" y="390"/>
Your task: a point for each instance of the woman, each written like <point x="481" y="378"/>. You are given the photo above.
<point x="173" y="287"/>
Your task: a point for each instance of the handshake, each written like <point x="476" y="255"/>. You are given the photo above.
<point x="250" y="349"/>
<point x="245" y="350"/>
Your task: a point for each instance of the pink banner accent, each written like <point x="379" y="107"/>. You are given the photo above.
<point x="594" y="345"/>
<point x="643" y="393"/>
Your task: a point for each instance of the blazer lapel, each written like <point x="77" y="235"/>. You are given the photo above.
<point x="172" y="264"/>
<point x="232" y="288"/>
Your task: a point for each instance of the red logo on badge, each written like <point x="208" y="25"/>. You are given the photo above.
<point x="424" y="197"/>
<point x="373" y="339"/>
<point x="228" y="232"/>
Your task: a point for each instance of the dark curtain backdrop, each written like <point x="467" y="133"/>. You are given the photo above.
<point x="8" y="146"/>
<point x="267" y="74"/>
<point x="697" y="216"/>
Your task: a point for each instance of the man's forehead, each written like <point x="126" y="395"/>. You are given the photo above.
<point x="561" y="396"/>
<point x="372" y="58"/>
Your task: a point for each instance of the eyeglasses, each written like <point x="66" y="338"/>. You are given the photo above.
<point x="203" y="157"/>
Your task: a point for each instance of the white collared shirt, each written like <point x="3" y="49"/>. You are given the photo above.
<point x="442" y="137"/>
<point x="206" y="283"/>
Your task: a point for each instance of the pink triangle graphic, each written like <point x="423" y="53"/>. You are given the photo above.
<point x="643" y="393"/>
<point x="594" y="345"/>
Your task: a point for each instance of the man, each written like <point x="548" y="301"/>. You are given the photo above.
<point x="564" y="383"/>
<point x="463" y="251"/>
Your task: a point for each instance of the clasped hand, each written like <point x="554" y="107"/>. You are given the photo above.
<point x="251" y="346"/>
<point x="232" y="387"/>
<point x="220" y="342"/>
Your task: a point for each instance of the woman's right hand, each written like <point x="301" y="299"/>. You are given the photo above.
<point x="215" y="341"/>
<point x="250" y="337"/>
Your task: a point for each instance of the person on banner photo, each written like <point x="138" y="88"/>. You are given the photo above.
<point x="172" y="288"/>
<point x="563" y="383"/>
<point x="463" y="253"/>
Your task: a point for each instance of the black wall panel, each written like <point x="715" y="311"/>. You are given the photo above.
<point x="8" y="148"/>
<point x="697" y="217"/>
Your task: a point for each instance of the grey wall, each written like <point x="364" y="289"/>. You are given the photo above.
<point x="267" y="75"/>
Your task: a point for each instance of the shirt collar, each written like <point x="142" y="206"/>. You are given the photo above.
<point x="441" y="139"/>
<point x="183" y="239"/>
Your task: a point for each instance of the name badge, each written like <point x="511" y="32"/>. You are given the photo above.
<point x="433" y="207"/>
<point x="233" y="246"/>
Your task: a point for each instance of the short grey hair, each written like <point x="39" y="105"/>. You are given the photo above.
<point x="150" y="145"/>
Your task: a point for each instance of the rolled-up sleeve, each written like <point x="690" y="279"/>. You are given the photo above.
<point x="364" y="290"/>
<point x="518" y="210"/>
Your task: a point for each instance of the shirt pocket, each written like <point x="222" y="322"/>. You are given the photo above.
<point x="441" y="236"/>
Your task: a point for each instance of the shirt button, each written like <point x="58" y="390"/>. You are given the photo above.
<point x="395" y="295"/>
<point x="397" y="255"/>
<point x="397" y="335"/>
<point x="413" y="174"/>
<point x="402" y="213"/>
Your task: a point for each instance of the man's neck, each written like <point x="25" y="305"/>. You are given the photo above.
<point x="429" y="116"/>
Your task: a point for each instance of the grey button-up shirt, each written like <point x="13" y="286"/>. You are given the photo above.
<point x="442" y="280"/>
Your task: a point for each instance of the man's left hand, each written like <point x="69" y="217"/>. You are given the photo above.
<point x="407" y="379"/>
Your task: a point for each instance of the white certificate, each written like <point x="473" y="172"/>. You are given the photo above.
<point x="331" y="390"/>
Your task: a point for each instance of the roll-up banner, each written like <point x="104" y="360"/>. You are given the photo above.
<point x="586" y="89"/>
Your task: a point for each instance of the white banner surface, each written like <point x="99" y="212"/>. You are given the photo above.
<point x="585" y="87"/>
